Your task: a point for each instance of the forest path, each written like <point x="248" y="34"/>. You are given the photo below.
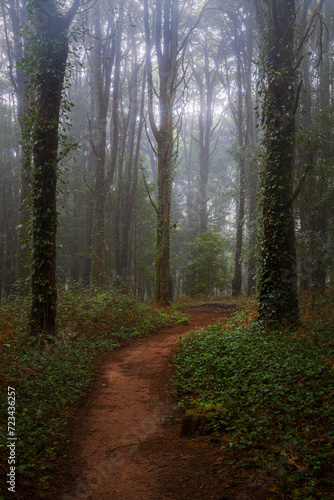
<point x="122" y="444"/>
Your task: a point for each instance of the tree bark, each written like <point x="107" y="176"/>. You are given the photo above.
<point x="252" y="173"/>
<point x="278" y="285"/>
<point x="104" y="174"/>
<point x="237" y="278"/>
<point x="132" y="177"/>
<point x="166" y="44"/>
<point x="306" y="161"/>
<point x="51" y="50"/>
<point x="205" y="133"/>
<point x="18" y="18"/>
<point x="319" y="217"/>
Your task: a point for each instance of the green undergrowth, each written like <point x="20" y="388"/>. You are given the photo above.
<point x="268" y="396"/>
<point x="49" y="378"/>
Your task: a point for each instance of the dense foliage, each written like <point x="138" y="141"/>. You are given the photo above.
<point x="206" y="270"/>
<point x="221" y="78"/>
<point x="268" y="394"/>
<point x="197" y="137"/>
<point x="50" y="378"/>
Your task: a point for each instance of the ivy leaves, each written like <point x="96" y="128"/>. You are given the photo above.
<point x="266" y="390"/>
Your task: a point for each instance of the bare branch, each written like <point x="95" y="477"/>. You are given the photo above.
<point x="298" y="63"/>
<point x="82" y="174"/>
<point x="158" y="32"/>
<point x="9" y="52"/>
<point x="311" y="26"/>
<point x="91" y="140"/>
<point x="149" y="72"/>
<point x="309" y="167"/>
<point x="149" y="194"/>
<point x="294" y="111"/>
<point x="217" y="139"/>
<point x="149" y="139"/>
<point x="218" y="124"/>
<point x="71" y="12"/>
<point x="88" y="8"/>
<point x="185" y="41"/>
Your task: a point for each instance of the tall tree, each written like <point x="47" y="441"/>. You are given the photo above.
<point x="166" y="47"/>
<point x="127" y="185"/>
<point x="305" y="161"/>
<point x="206" y="79"/>
<point x="238" y="114"/>
<point x="278" y="284"/>
<point x="187" y="134"/>
<point x="234" y="65"/>
<point x="104" y="57"/>
<point x="15" y="47"/>
<point x="323" y="168"/>
<point x="49" y="35"/>
<point x="250" y="143"/>
<point x="9" y="189"/>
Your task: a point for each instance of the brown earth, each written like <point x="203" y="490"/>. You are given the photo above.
<point x="123" y="445"/>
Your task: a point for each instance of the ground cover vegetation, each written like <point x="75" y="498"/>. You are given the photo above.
<point x="178" y="117"/>
<point x="50" y="378"/>
<point x="267" y="395"/>
<point x="164" y="150"/>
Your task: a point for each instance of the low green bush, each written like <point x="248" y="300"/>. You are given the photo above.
<point x="49" y="378"/>
<point x="270" y="393"/>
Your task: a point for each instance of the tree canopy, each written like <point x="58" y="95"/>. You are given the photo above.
<point x="131" y="133"/>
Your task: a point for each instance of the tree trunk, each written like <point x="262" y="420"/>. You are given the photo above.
<point x="188" y="151"/>
<point x="166" y="44"/>
<point x="205" y="126"/>
<point x="324" y="164"/>
<point x="120" y="197"/>
<point x="306" y="160"/>
<point x="278" y="285"/>
<point x="18" y="17"/>
<point x="104" y="174"/>
<point x="132" y="180"/>
<point x="252" y="174"/>
<point x="51" y="56"/>
<point x="161" y="285"/>
<point x="237" y="278"/>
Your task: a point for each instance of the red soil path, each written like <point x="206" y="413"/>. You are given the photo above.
<point x="123" y="446"/>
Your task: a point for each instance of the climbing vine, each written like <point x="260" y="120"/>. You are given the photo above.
<point x="45" y="65"/>
<point x="279" y="95"/>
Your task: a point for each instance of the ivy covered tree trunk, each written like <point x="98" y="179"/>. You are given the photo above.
<point x="278" y="285"/>
<point x="50" y="52"/>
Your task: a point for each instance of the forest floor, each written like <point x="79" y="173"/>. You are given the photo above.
<point x="123" y="443"/>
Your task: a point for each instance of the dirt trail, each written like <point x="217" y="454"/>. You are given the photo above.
<point x="121" y="443"/>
